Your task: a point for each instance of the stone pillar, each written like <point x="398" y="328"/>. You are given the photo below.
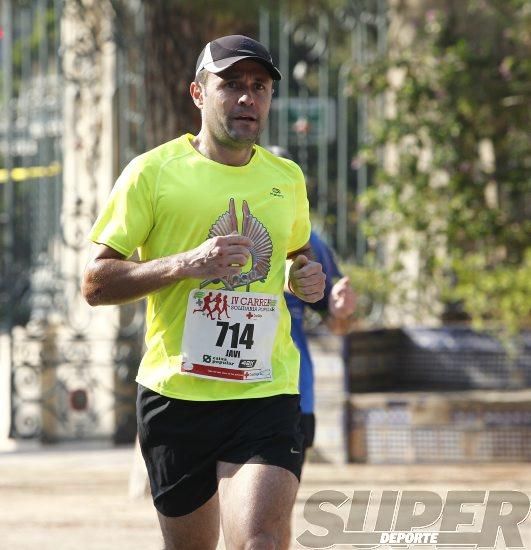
<point x="87" y="337"/>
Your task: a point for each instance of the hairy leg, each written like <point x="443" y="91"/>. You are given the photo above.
<point x="198" y="530"/>
<point x="256" y="502"/>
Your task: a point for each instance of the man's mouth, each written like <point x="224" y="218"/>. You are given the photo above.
<point x="247" y="118"/>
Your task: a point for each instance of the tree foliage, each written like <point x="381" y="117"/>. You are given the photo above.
<point x="452" y="158"/>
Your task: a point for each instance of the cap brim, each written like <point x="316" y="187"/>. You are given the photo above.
<point x="219" y="66"/>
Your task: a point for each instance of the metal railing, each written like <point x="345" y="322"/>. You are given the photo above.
<point x="316" y="116"/>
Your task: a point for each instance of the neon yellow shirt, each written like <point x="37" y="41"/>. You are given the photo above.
<point x="169" y="200"/>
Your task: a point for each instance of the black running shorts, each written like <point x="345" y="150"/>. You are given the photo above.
<point x="182" y="441"/>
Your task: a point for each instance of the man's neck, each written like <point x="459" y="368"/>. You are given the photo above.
<point x="223" y="154"/>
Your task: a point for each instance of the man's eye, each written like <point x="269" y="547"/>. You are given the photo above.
<point x="260" y="87"/>
<point x="232" y="84"/>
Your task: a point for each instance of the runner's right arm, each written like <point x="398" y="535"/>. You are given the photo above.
<point x="110" y="278"/>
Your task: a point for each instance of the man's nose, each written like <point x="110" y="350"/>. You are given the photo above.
<point x="246" y="98"/>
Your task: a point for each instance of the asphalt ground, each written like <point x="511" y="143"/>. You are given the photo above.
<point x="68" y="497"/>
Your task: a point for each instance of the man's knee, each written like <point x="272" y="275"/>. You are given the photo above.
<point x="263" y="541"/>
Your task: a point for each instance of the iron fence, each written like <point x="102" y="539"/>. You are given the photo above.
<point x="64" y="383"/>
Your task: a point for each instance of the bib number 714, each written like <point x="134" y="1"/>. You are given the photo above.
<point x="245" y="339"/>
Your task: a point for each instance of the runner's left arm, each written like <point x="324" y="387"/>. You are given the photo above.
<point x="305" y="278"/>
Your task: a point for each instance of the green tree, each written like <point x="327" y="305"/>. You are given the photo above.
<point x="457" y="194"/>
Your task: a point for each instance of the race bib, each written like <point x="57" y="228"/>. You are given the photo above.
<point x="229" y="335"/>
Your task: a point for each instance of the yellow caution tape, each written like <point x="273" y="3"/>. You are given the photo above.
<point x="31" y="172"/>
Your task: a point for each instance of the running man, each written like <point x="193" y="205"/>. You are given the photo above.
<point x="218" y="405"/>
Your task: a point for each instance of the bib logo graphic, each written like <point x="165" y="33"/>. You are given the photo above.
<point x="247" y="363"/>
<point x="208" y="304"/>
<point x="261" y="251"/>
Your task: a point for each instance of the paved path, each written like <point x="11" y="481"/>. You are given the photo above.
<point x="76" y="497"/>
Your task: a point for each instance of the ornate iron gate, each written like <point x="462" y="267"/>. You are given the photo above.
<point x="67" y="381"/>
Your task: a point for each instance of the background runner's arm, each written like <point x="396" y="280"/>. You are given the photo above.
<point x="341" y="306"/>
<point x="110" y="278"/>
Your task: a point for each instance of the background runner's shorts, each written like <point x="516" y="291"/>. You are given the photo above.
<point x="308" y="428"/>
<point x="182" y="441"/>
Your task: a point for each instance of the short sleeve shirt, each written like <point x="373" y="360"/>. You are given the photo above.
<point x="169" y="200"/>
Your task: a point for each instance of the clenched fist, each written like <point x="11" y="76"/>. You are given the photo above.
<point x="219" y="257"/>
<point x="342" y="300"/>
<point x="306" y="279"/>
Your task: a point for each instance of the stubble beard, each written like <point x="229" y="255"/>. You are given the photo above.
<point x="241" y="139"/>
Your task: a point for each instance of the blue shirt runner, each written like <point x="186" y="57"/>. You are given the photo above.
<point x="324" y="255"/>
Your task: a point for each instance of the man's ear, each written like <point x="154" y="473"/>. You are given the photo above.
<point x="196" y="91"/>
